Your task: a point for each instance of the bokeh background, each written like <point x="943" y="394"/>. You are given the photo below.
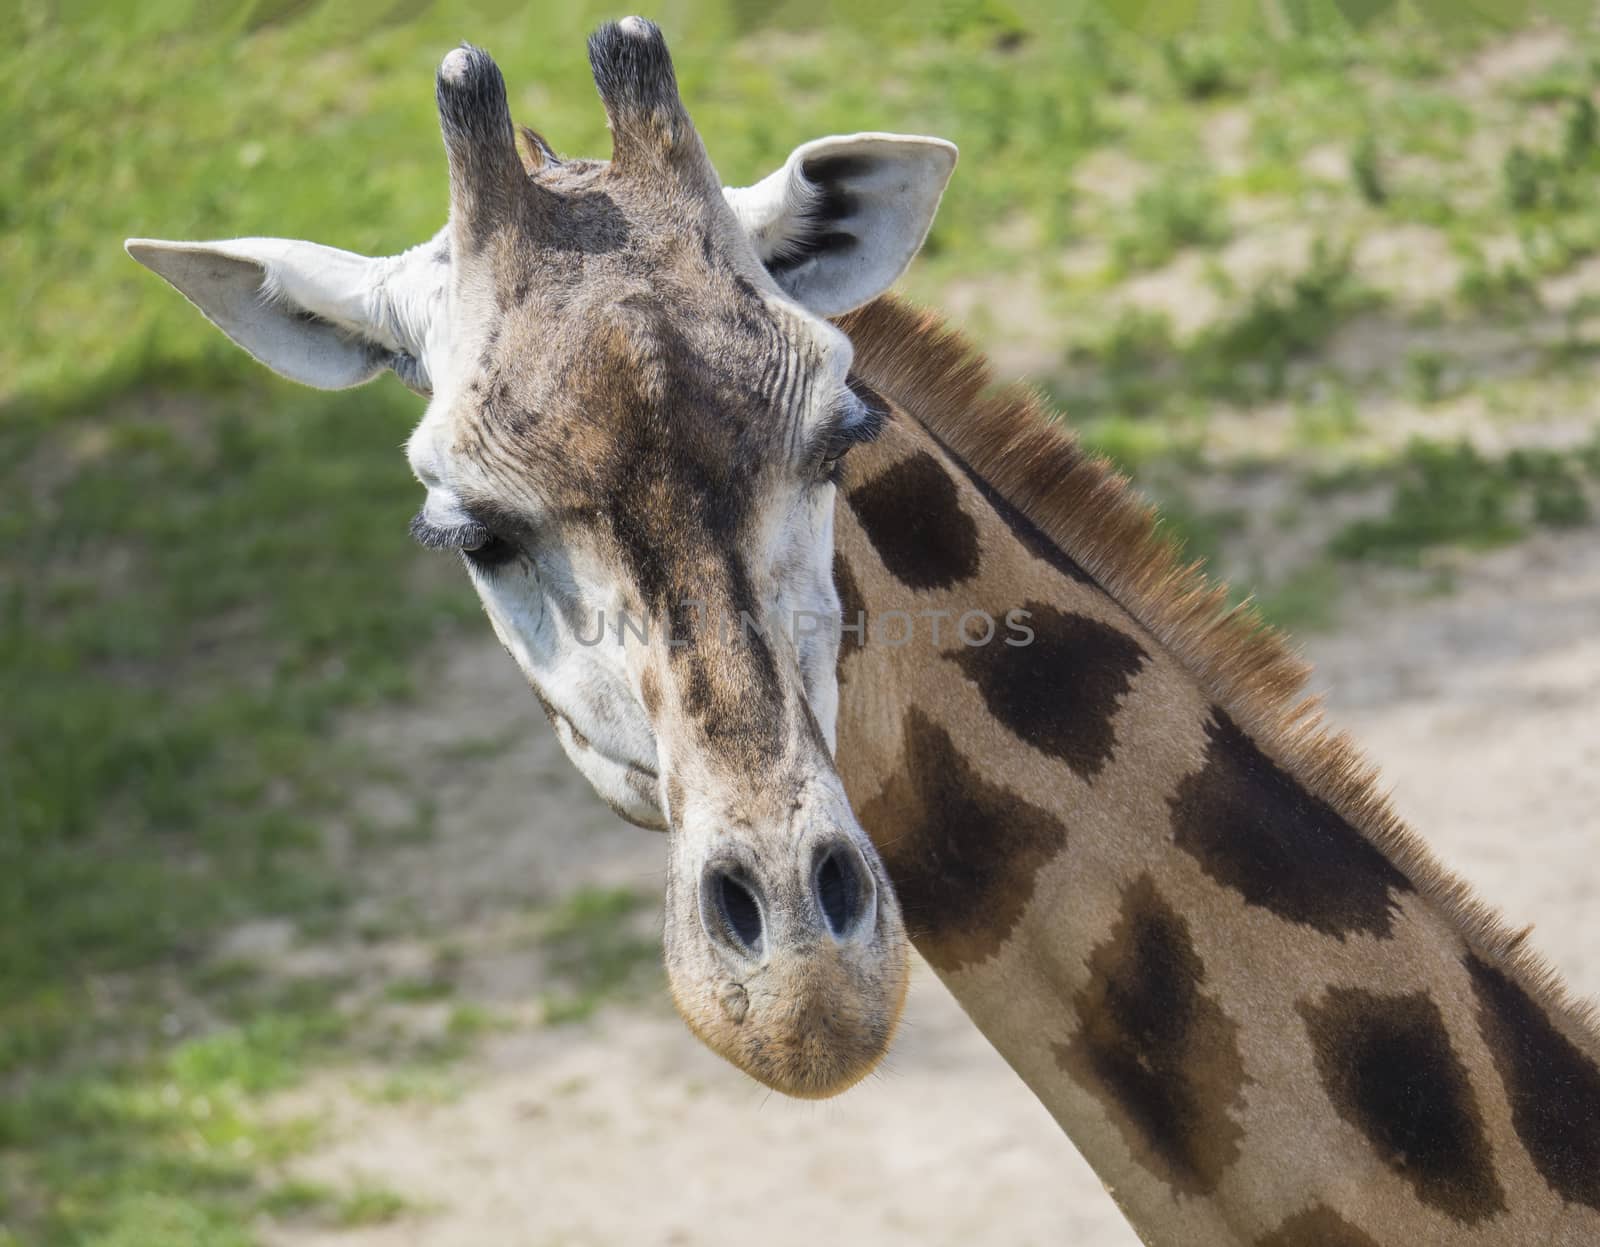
<point x="307" y="932"/>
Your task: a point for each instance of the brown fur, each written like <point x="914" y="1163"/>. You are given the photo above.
<point x="1317" y="1227"/>
<point x="810" y="1029"/>
<point x="1081" y="501"/>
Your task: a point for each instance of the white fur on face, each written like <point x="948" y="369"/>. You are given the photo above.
<point x="808" y="605"/>
<point x="558" y="626"/>
<point x="566" y="619"/>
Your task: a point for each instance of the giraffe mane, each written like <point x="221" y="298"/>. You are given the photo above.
<point x="1009" y="435"/>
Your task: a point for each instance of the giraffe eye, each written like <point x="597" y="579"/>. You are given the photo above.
<point x="491" y="552"/>
<point x="477" y="543"/>
<point x="857" y="417"/>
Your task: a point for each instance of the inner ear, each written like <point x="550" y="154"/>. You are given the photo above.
<point x="844" y="216"/>
<point x="820" y="223"/>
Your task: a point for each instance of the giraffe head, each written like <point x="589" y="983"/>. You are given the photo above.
<point x="635" y="413"/>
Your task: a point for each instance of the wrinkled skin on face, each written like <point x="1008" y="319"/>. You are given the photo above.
<point x="636" y="410"/>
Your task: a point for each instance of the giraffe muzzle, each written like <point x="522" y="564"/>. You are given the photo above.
<point x="789" y="957"/>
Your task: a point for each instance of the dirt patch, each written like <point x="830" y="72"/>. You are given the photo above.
<point x="1111" y="176"/>
<point x="1522" y="55"/>
<point x="1014" y="312"/>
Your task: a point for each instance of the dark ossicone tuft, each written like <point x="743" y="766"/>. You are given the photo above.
<point x="633" y="69"/>
<point x="651" y="134"/>
<point x="472" y="103"/>
<point x="487" y="180"/>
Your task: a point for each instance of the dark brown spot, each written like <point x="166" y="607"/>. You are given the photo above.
<point x="912" y="514"/>
<point x="852" y="610"/>
<point x="1158" y="1052"/>
<point x="1388" y="1068"/>
<point x="962" y="852"/>
<point x="1319" y="1226"/>
<point x="1060" y="692"/>
<point x="1032" y="538"/>
<point x="1254" y="828"/>
<point x="1554" y="1088"/>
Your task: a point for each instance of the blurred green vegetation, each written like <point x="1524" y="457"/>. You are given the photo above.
<point x="595" y="951"/>
<point x="1448" y="493"/>
<point x="202" y="567"/>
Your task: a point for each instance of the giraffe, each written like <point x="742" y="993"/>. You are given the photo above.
<point x="1113" y="824"/>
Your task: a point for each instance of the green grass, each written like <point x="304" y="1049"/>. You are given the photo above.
<point x="1455" y="495"/>
<point x="296" y="1200"/>
<point x="204" y="570"/>
<point x="1332" y="420"/>
<point x="595" y="947"/>
<point x="187" y="614"/>
<point x="262" y="131"/>
<point x="1508" y="284"/>
<point x="1286" y="318"/>
<point x="369" y="1205"/>
<point x="1183" y="210"/>
<point x="1136" y="366"/>
<point x="1304" y="601"/>
<point x="195" y="585"/>
<point x="419" y="990"/>
<point x="1366" y="170"/>
<point x="164" y="1145"/>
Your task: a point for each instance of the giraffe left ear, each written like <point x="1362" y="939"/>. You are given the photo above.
<point x="844" y="216"/>
<point x="317" y="315"/>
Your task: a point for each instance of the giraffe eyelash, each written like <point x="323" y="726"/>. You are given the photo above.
<point x="464" y="537"/>
<point x="857" y="417"/>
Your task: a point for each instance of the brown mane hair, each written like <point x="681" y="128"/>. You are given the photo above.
<point x="1009" y="437"/>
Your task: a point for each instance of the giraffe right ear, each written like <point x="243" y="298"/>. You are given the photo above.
<point x="324" y="317"/>
<point x="844" y="216"/>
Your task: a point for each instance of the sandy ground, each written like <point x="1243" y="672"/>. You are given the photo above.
<point x="1483" y="709"/>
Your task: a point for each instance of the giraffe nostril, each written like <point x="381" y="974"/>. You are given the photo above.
<point x="741" y="911"/>
<point x="843" y="889"/>
<point x="733" y="916"/>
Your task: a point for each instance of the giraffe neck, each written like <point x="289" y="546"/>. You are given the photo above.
<point x="1253" y="1000"/>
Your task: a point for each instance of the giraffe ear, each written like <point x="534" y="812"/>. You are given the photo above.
<point x="844" y="216"/>
<point x="324" y="317"/>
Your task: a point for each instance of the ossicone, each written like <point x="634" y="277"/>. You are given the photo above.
<point x="650" y="128"/>
<point x="486" y="173"/>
